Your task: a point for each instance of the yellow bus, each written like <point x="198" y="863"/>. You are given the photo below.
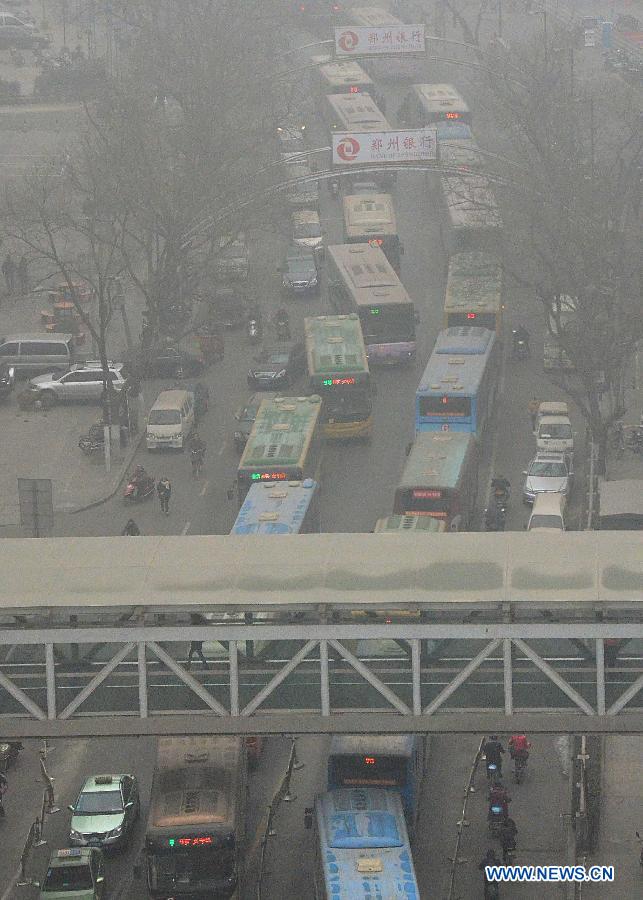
<point x="474" y="292"/>
<point x="338" y="372"/>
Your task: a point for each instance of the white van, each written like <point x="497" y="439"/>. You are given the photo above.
<point x="553" y="429"/>
<point x="171" y="420"/>
<point x="548" y="513"/>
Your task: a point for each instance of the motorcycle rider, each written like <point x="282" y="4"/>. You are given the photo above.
<point x="493" y="751"/>
<point x="519" y="746"/>
<point x="131" y="529"/>
<point x="508" y="834"/>
<point x="493" y="519"/>
<point x="197" y="448"/>
<point x="501" y="487"/>
<point x="490" y="887"/>
<point x="140" y="479"/>
<point x="499" y="796"/>
<point x="282" y="323"/>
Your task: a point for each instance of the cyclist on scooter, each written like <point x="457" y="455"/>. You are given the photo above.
<point x="493" y="751"/>
<point x="499" y="796"/>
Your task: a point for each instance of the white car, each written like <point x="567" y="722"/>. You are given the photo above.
<point x="547" y="473"/>
<point x="83" y="382"/>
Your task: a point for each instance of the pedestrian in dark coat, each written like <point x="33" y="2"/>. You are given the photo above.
<point x="164" y="490"/>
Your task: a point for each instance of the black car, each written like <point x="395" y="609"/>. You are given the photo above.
<point x="169" y="362"/>
<point x="299" y="271"/>
<point x="278" y="367"/>
<point x="246" y="418"/>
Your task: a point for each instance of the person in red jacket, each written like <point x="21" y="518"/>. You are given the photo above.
<point x="519" y="746"/>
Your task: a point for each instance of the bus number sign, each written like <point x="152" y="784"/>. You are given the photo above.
<point x="334" y="382"/>
<point x="369" y="760"/>
<point x="452" y="115"/>
<point x="203" y="840"/>
<point x="269" y="476"/>
<point x="427" y="495"/>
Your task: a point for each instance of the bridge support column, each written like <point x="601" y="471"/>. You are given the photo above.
<point x="51" y="681"/>
<point x="600" y="677"/>
<point x="233" y="652"/>
<point x="415" y="668"/>
<point x="142" y="680"/>
<point x="324" y="683"/>
<point x="507" y="672"/>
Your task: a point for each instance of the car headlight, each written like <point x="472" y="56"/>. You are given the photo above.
<point x="281" y="374"/>
<point x="286" y="282"/>
<point x="115" y="832"/>
<point x="75" y="835"/>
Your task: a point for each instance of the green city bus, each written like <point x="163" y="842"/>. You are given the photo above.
<point x="474" y="292"/>
<point x="284" y="444"/>
<point x="338" y="372"/>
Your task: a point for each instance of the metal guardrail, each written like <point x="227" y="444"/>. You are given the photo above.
<point x="35" y="836"/>
<point x="281" y="795"/>
<point x="463" y="823"/>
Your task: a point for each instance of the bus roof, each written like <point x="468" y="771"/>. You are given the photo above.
<point x="282" y="432"/>
<point x="356" y="112"/>
<point x="351" y="821"/>
<point x="373" y="16"/>
<point x="458" y="361"/>
<point x="195" y="784"/>
<point x="436" y="459"/>
<point x="474" y="282"/>
<point x="368" y="274"/>
<point x="335" y="345"/>
<point x="470" y="201"/>
<point x="402" y="524"/>
<point x="439" y="97"/>
<point x="344" y="73"/>
<point x="275" y="507"/>
<point x="373" y="744"/>
<point x="366" y="214"/>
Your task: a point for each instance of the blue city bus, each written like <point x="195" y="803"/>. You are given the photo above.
<point x="396" y="761"/>
<point x="289" y="507"/>
<point x="362" y="849"/>
<point x="458" y="389"/>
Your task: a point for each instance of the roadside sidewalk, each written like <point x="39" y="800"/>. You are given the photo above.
<point x="621" y="801"/>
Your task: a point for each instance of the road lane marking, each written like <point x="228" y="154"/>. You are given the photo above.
<point x="204" y="489"/>
<point x="221" y="449"/>
<point x="186" y="528"/>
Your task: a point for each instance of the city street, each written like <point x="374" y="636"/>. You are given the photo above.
<point x="358" y="482"/>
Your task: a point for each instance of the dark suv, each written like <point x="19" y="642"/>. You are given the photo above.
<point x="299" y="271"/>
<point x="278" y="367"/>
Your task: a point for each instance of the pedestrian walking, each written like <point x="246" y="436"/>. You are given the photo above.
<point x="196" y="647"/>
<point x="164" y="490"/>
<point x="23" y="275"/>
<point x="532" y="408"/>
<point x="9" y="272"/>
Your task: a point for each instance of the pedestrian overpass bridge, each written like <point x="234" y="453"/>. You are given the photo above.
<point x="317" y="633"/>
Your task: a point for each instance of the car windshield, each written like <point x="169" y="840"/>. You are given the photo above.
<point x="67" y="878"/>
<point x="560" y="432"/>
<point x="545" y="522"/>
<point x="96" y="803"/>
<point x="307" y="230"/>
<point x="548" y="469"/>
<point x="459" y="132"/>
<point x="165" y="417"/>
<point x="302" y="264"/>
<point x="278" y="358"/>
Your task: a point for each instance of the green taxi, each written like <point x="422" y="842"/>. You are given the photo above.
<point x="105" y="811"/>
<point x="74" y="874"/>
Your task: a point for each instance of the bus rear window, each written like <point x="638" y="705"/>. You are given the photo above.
<point x="382" y="771"/>
<point x="445" y="406"/>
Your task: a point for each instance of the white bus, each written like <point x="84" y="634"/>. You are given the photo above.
<point x="428" y="104"/>
<point x="370" y="218"/>
<point x="361" y="280"/>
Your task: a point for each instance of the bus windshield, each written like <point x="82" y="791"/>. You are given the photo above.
<point x="388" y="324"/>
<point x="170" y="868"/>
<point x="384" y="771"/>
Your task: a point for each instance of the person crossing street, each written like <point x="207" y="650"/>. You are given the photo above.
<point x="164" y="490"/>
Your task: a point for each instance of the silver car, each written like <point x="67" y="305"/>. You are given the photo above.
<point x="82" y="382"/>
<point x="547" y="473"/>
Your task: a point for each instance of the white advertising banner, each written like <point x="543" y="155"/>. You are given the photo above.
<point x="365" y="40"/>
<point x="409" y="145"/>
